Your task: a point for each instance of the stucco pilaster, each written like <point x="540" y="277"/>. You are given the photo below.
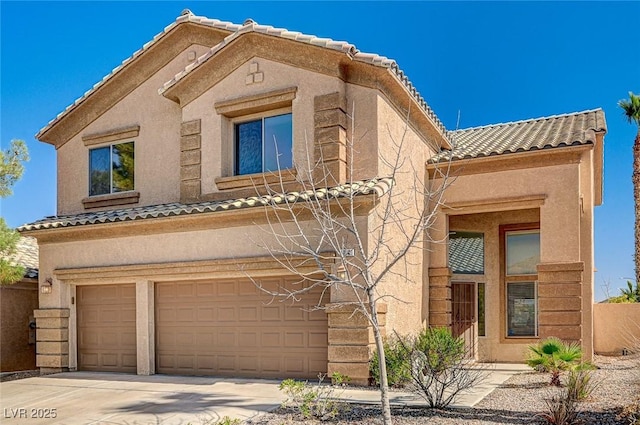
<point x="190" y="161"/>
<point x="440" y="297"/>
<point x="560" y="300"/>
<point x="145" y="325"/>
<point x="351" y="341"/>
<point x="52" y="348"/>
<point x="330" y="139"/>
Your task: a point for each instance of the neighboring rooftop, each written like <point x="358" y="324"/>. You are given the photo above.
<point x="249" y="25"/>
<point x="26" y="255"/>
<point x="578" y="128"/>
<point x="378" y="186"/>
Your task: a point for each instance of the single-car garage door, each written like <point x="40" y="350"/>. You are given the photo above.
<point x="229" y="327"/>
<point x="106" y="328"/>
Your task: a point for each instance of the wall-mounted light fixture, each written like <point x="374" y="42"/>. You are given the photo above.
<point x="46" y="286"/>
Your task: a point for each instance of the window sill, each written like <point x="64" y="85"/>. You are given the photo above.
<point x="256" y="180"/>
<point x="111" y="199"/>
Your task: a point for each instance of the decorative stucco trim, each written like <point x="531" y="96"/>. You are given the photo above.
<point x="261" y="102"/>
<point x="111" y="199"/>
<point x="128" y="132"/>
<point x="509" y="161"/>
<point x="496" y="204"/>
<point x="257" y="180"/>
<point x="218" y="268"/>
<point x="190" y="161"/>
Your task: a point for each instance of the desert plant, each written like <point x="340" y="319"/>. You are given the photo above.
<point x="224" y="421"/>
<point x="631" y="294"/>
<point x="554" y="355"/>
<point x="439" y="370"/>
<point x="579" y="384"/>
<point x="561" y="409"/>
<point x="312" y="401"/>
<point x="398" y="360"/>
<point x="339" y="379"/>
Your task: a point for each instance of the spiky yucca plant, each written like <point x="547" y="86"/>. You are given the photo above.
<point x="554" y="355"/>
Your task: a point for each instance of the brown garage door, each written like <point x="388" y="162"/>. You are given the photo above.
<point x="229" y="327"/>
<point x="107" y="328"/>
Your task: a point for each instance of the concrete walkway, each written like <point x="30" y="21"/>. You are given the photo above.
<point x="84" y="398"/>
<point x="494" y="375"/>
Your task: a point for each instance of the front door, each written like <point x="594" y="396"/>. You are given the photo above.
<point x="464" y="315"/>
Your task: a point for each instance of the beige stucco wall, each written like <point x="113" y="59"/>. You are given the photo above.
<point x="616" y="327"/>
<point x="400" y="147"/>
<point x="566" y="233"/>
<point x="157" y="148"/>
<point x="17" y="349"/>
<point x="217" y="131"/>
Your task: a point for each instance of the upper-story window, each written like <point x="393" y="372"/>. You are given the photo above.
<point x="111" y="169"/>
<point x="263" y="144"/>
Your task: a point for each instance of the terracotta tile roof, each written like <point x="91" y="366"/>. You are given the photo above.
<point x="578" y="128"/>
<point x="250" y="26"/>
<point x="466" y="254"/>
<point x="378" y="186"/>
<point x="26" y="255"/>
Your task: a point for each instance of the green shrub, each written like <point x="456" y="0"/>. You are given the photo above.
<point x="312" y="401"/>
<point x="439" y="369"/>
<point x="339" y="379"/>
<point x="440" y="347"/>
<point x="554" y="355"/>
<point x="397" y="352"/>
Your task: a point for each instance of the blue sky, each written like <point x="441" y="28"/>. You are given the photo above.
<point x="492" y="62"/>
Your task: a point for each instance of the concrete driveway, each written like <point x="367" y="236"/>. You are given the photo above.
<point x="112" y="398"/>
<point x="84" y="398"/>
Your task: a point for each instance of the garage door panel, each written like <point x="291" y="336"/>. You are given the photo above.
<point x="273" y="313"/>
<point x="239" y="331"/>
<point x="106" y="328"/>
<point x="295" y="313"/>
<point x="318" y="339"/>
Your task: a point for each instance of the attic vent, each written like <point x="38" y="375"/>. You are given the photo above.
<point x="249" y="21"/>
<point x="186" y="12"/>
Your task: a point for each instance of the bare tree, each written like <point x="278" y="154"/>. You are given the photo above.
<point x="356" y="235"/>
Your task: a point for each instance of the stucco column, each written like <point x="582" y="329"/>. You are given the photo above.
<point x="52" y="339"/>
<point x="351" y="341"/>
<point x="145" y="327"/>
<point x="439" y="273"/>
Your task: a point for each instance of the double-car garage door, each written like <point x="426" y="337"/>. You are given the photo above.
<point x="216" y="327"/>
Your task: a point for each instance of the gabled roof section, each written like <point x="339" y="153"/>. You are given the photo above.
<point x="377" y="186"/>
<point x="227" y="27"/>
<point x="348" y="49"/>
<point x="578" y="128"/>
<point x="234" y="31"/>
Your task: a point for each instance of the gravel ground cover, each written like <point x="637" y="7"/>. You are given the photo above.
<point x="517" y="401"/>
<point x="12" y="376"/>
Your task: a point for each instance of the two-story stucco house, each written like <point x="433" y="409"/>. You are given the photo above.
<point x="156" y="164"/>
